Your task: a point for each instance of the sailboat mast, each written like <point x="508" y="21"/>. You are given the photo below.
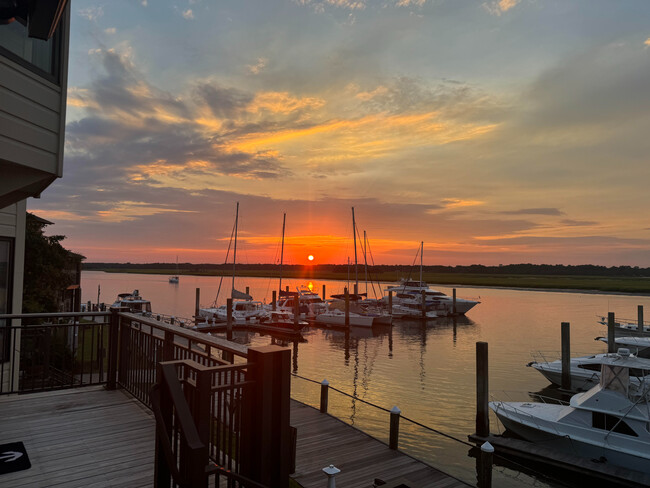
<point x="354" y="234"/>
<point x="365" y="259"/>
<point x="284" y="219"/>
<point x="421" y="259"/>
<point x="234" y="259"/>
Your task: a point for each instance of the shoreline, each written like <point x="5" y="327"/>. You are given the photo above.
<point x="432" y="282"/>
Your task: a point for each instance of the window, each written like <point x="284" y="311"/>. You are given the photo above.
<point x="610" y="422"/>
<point x="37" y="55"/>
<point x="6" y="269"/>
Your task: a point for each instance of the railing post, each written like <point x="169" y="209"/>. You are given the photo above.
<point x="168" y="346"/>
<point x="324" y="395"/>
<point x="202" y="419"/>
<point x="566" y="356"/>
<point x="162" y="472"/>
<point x="482" y="390"/>
<point x="266" y="437"/>
<point x="611" y="333"/>
<point x="393" y="438"/>
<point x="111" y="380"/>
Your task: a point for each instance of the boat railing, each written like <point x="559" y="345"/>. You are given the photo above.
<point x="522" y="412"/>
<point x="544" y="357"/>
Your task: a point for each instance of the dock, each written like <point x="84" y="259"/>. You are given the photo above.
<point x="93" y="437"/>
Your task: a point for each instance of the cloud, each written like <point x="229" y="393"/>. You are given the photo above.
<point x="257" y="68"/>
<point x="91" y="13"/>
<point x="533" y="211"/>
<point x="646" y="43"/>
<point x="110" y="30"/>
<point x="188" y="14"/>
<point x="500" y="6"/>
<point x="459" y="203"/>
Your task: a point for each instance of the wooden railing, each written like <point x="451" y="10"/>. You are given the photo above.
<point x="232" y="412"/>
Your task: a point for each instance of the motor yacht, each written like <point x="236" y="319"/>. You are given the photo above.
<point x="133" y="302"/>
<point x="608" y="423"/>
<point x="409" y="293"/>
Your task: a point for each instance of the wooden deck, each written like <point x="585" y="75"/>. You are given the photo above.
<point x="325" y="440"/>
<point x="85" y="437"/>
<point x="91" y="437"/>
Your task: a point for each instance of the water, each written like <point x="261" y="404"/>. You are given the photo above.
<point x="428" y="371"/>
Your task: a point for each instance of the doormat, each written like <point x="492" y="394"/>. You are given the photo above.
<point x="13" y="457"/>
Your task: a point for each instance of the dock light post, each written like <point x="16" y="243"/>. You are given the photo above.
<point x="324" y="395"/>
<point x="331" y="471"/>
<point x="394" y="428"/>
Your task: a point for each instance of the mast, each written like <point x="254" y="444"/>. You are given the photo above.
<point x="365" y="259"/>
<point x="284" y="219"/>
<point x="421" y="259"/>
<point x="234" y="259"/>
<point x="354" y="234"/>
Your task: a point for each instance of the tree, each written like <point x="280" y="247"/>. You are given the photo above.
<point x="49" y="268"/>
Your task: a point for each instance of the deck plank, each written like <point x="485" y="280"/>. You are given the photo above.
<point x="324" y="440"/>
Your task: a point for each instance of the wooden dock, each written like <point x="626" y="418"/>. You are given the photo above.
<point x="84" y="437"/>
<point x="325" y="440"/>
<point x="91" y="437"/>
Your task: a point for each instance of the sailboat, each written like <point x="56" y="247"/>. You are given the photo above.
<point x="174" y="279"/>
<point x="245" y="310"/>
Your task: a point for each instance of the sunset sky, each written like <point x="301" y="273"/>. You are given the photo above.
<point x="495" y="131"/>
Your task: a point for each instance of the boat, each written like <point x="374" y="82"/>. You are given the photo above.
<point x="174" y="279"/>
<point x="244" y="309"/>
<point x="310" y="303"/>
<point x="585" y="370"/>
<point x="608" y="423"/>
<point x="408" y="293"/>
<point x="626" y="327"/>
<point x="639" y="346"/>
<point x="282" y="321"/>
<point x="337" y="317"/>
<point x="133" y="302"/>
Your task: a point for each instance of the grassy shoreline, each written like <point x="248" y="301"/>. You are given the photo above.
<point x="599" y="284"/>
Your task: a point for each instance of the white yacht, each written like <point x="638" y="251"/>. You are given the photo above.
<point x="605" y="423"/>
<point x="409" y="293"/>
<point x="585" y="370"/>
<point x="337" y="317"/>
<point x="134" y="302"/>
<point x="639" y="346"/>
<point x="627" y="327"/>
<point x="243" y="312"/>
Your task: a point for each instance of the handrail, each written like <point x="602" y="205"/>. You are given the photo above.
<point x="215" y="469"/>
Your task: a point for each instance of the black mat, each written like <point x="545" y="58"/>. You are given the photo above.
<point x="13" y="457"/>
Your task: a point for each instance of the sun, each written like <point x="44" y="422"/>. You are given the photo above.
<point x="310" y="257"/>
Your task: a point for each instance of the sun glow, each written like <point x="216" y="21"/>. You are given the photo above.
<point x="310" y="257"/>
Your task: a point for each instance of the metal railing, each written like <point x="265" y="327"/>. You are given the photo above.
<point x="53" y="351"/>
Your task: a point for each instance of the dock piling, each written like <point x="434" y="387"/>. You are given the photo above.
<point x="453" y="302"/>
<point x="229" y="319"/>
<point x="611" y="333"/>
<point x="347" y="308"/>
<point x="296" y="311"/>
<point x="248" y="290"/>
<point x="485" y="460"/>
<point x="197" y="305"/>
<point x="323" y="295"/>
<point x="424" y="305"/>
<point x="275" y="299"/>
<point x="482" y="390"/>
<point x="640" y="317"/>
<point x="324" y="395"/>
<point x="393" y="439"/>
<point x="390" y="302"/>
<point x="566" y="355"/>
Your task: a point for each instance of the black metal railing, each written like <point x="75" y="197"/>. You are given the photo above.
<point x="54" y="351"/>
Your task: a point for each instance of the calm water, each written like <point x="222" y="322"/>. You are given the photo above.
<point x="428" y="371"/>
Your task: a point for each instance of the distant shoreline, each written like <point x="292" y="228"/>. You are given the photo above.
<point x="605" y="285"/>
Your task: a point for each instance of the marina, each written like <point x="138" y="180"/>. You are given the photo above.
<point x="425" y="369"/>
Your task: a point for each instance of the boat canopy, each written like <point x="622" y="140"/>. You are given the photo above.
<point x="240" y="295"/>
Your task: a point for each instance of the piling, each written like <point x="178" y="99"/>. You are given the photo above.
<point x="296" y="311"/>
<point x="197" y="304"/>
<point x="356" y="288"/>
<point x="229" y="319"/>
<point x="275" y="299"/>
<point x="453" y="302"/>
<point x="640" y="317"/>
<point x="566" y="356"/>
<point x="323" y="295"/>
<point x="485" y="459"/>
<point x="347" y="308"/>
<point x="482" y="390"/>
<point x="287" y="288"/>
<point x="324" y="395"/>
<point x="390" y="302"/>
<point x="393" y="438"/>
<point x="424" y="305"/>
<point x="611" y="333"/>
<point x="248" y="290"/>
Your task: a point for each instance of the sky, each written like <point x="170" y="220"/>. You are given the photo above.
<point x="494" y="131"/>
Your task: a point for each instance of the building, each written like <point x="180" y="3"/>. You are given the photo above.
<point x="34" y="37"/>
